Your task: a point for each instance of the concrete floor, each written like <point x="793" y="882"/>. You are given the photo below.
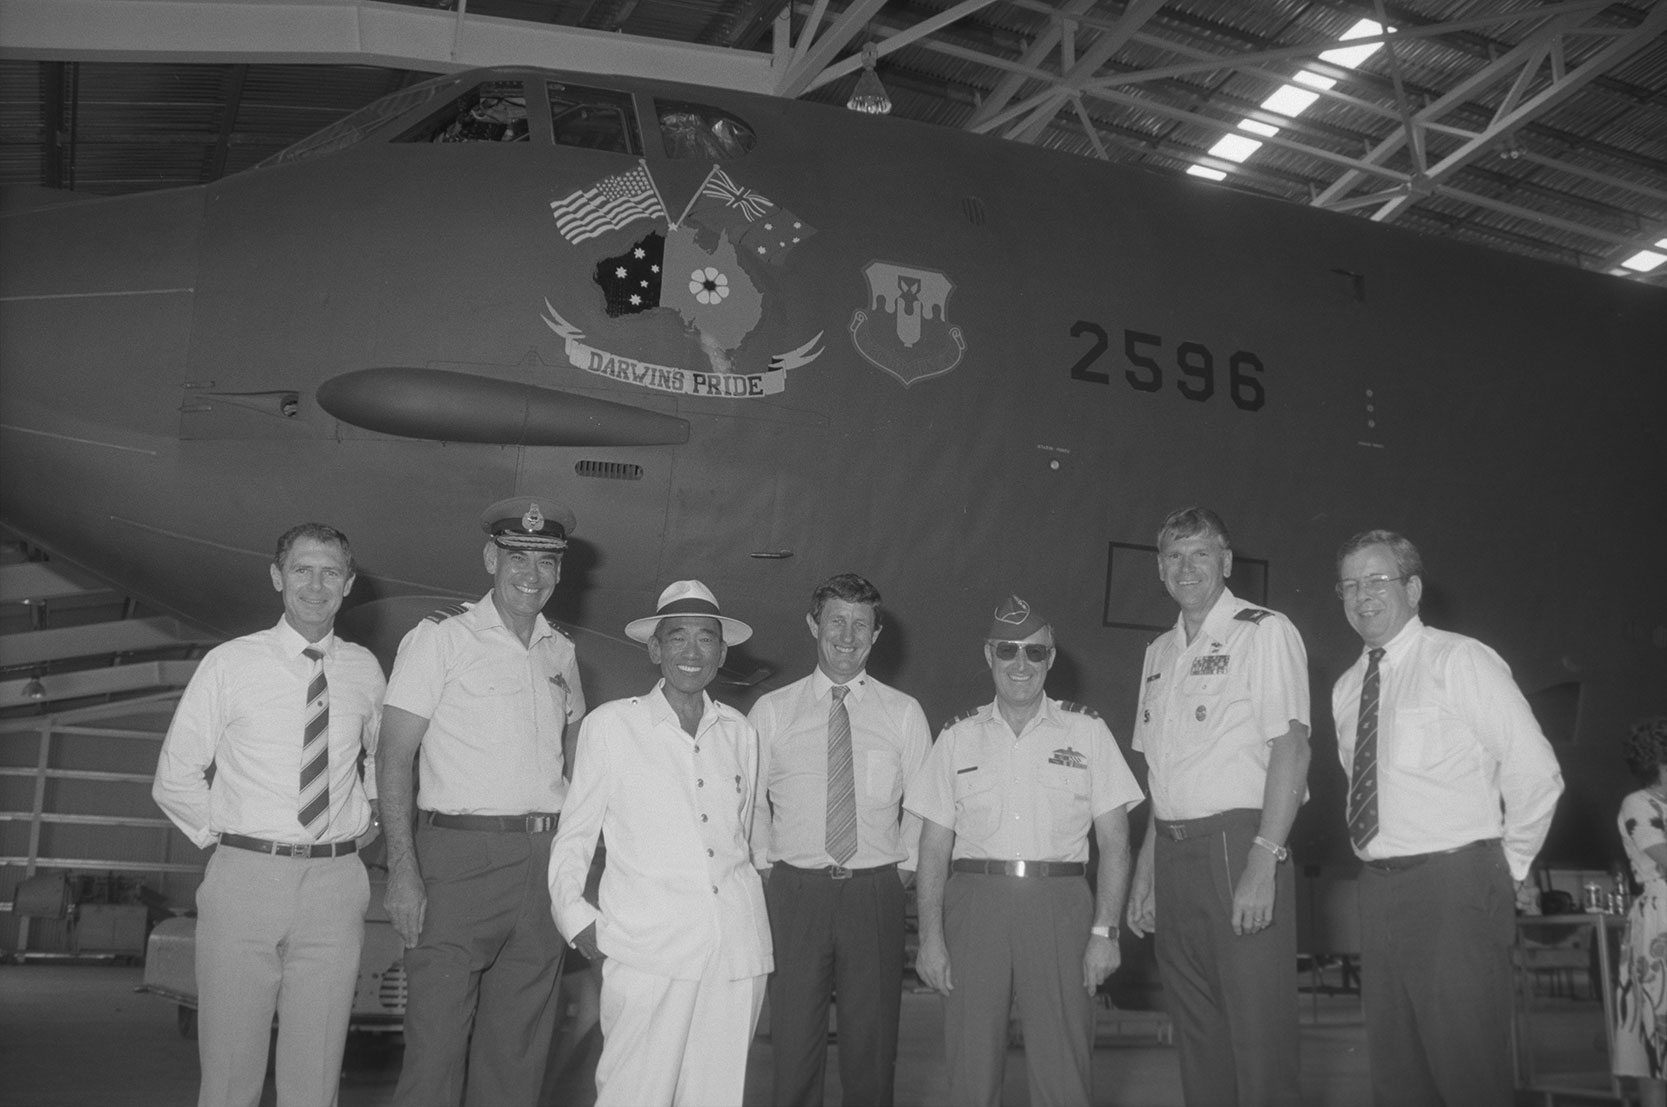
<point x="80" y="1036"/>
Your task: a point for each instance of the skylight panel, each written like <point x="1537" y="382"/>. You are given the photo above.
<point x="1235" y="147"/>
<point x="1645" y="261"/>
<point x="1206" y="172"/>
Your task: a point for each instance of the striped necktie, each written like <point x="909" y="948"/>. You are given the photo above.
<point x="842" y="786"/>
<point x="1363" y="788"/>
<point x="315" y="750"/>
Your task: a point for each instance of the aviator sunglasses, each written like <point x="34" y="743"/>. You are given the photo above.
<point x="1035" y="652"/>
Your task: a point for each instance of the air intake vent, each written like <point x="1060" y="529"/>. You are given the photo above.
<point x="974" y="209"/>
<point x="609" y="470"/>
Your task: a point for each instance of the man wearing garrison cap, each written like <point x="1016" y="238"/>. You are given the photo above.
<point x="486" y="692"/>
<point x="1224" y="726"/>
<point x="1006" y="799"/>
<point x="667" y="778"/>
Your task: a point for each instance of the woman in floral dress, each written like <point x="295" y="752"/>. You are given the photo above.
<point x="1641" y="1030"/>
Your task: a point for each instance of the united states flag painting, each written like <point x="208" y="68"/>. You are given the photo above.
<point x="607" y="205"/>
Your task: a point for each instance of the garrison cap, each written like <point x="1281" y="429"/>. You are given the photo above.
<point x="1014" y="621"/>
<point x="527" y="523"/>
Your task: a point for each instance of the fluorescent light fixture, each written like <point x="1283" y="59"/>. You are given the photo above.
<point x="1291" y="100"/>
<point x="1644" y="261"/>
<point x="1235" y="147"/>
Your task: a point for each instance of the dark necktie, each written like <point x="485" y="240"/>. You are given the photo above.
<point x="315" y="750"/>
<point x="1363" y="787"/>
<point x="842" y="786"/>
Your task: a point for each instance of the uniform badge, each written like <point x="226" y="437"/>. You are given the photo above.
<point x="1201" y="713"/>
<point x="1068" y="757"/>
<point x="533" y="521"/>
<point x="1145" y="716"/>
<point x="561" y="682"/>
<point x="1210" y="665"/>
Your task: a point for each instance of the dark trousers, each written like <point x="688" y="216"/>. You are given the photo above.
<point x="841" y="937"/>
<point x="1233" y="998"/>
<point x="1018" y="938"/>
<point x="482" y="979"/>
<point x="1435" y="975"/>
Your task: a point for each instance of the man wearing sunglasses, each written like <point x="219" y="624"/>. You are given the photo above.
<point x="1007" y="798"/>
<point x="1223" y="723"/>
<point x="1451" y="790"/>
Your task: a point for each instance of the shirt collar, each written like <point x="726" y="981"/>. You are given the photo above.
<point x="293" y="642"/>
<point x="821" y="686"/>
<point x="486" y="615"/>
<point x="1215" y="619"/>
<point x="661" y="710"/>
<point x="1397" y="647"/>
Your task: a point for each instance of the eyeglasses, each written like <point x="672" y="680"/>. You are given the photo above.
<point x="1376" y="585"/>
<point x="1035" y="652"/>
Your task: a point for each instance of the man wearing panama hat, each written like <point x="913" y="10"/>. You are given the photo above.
<point x="668" y="778"/>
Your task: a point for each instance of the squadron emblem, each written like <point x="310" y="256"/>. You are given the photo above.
<point x="918" y="341"/>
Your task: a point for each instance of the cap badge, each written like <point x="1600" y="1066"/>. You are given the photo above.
<point x="533" y="520"/>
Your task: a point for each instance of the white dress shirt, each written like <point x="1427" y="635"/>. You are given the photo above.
<point x="889" y="741"/>
<point x="244" y="713"/>
<point x="1456" y="740"/>
<point x="496" y="711"/>
<point x="1210" y="710"/>
<point x="679" y="894"/>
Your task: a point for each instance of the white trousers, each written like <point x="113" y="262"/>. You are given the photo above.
<point x="674" y="1043"/>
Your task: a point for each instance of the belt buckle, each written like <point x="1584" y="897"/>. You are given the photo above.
<point x="1016" y="868"/>
<point x="1178" y="832"/>
<point x="296" y="849"/>
<point x="838" y="872"/>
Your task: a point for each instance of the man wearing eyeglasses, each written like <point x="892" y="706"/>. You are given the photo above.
<point x="1451" y="790"/>
<point x="1224" y="726"/>
<point x="1006" y="800"/>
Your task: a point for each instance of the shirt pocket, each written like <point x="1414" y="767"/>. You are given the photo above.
<point x="1417" y="737"/>
<point x="491" y="683"/>
<point x="1064" y="793"/>
<point x="977" y="805"/>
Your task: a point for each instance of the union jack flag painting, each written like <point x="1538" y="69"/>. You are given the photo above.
<point x="607" y="205"/>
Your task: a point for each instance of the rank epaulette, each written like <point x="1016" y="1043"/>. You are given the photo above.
<point x="442" y="614"/>
<point x="561" y="630"/>
<point x="1080" y="709"/>
<point x="961" y="718"/>
<point x="1253" y="615"/>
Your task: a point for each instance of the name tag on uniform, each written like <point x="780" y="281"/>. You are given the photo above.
<point x="1210" y="665"/>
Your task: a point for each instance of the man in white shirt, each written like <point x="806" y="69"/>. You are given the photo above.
<point x="667" y="778"/>
<point x="485" y="692"/>
<point x="1007" y="799"/>
<point x="282" y="716"/>
<point x="837" y="852"/>
<point x="1224" y="726"/>
<point x="1452" y="789"/>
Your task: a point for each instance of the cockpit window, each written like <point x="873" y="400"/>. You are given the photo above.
<point x="492" y="111"/>
<point x="351" y="128"/>
<point x="594" y="118"/>
<point x="700" y="131"/>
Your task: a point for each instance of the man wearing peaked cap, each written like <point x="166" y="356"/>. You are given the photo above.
<point x="1224" y="726"/>
<point x="486" y="692"/>
<point x="668" y="777"/>
<point x="1007" y="798"/>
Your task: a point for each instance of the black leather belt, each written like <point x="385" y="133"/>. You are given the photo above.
<point x="837" y="872"/>
<point x="290" y="849"/>
<point x="534" y="822"/>
<point x="990" y="867"/>
<point x="1179" y="830"/>
<point x="1413" y="860"/>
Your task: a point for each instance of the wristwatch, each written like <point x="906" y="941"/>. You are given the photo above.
<point x="1105" y="932"/>
<point x="1279" y="852"/>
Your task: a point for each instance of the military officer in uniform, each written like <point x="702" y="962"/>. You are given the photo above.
<point x="1009" y="792"/>
<point x="1224" y="726"/>
<point x="486" y="692"/>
